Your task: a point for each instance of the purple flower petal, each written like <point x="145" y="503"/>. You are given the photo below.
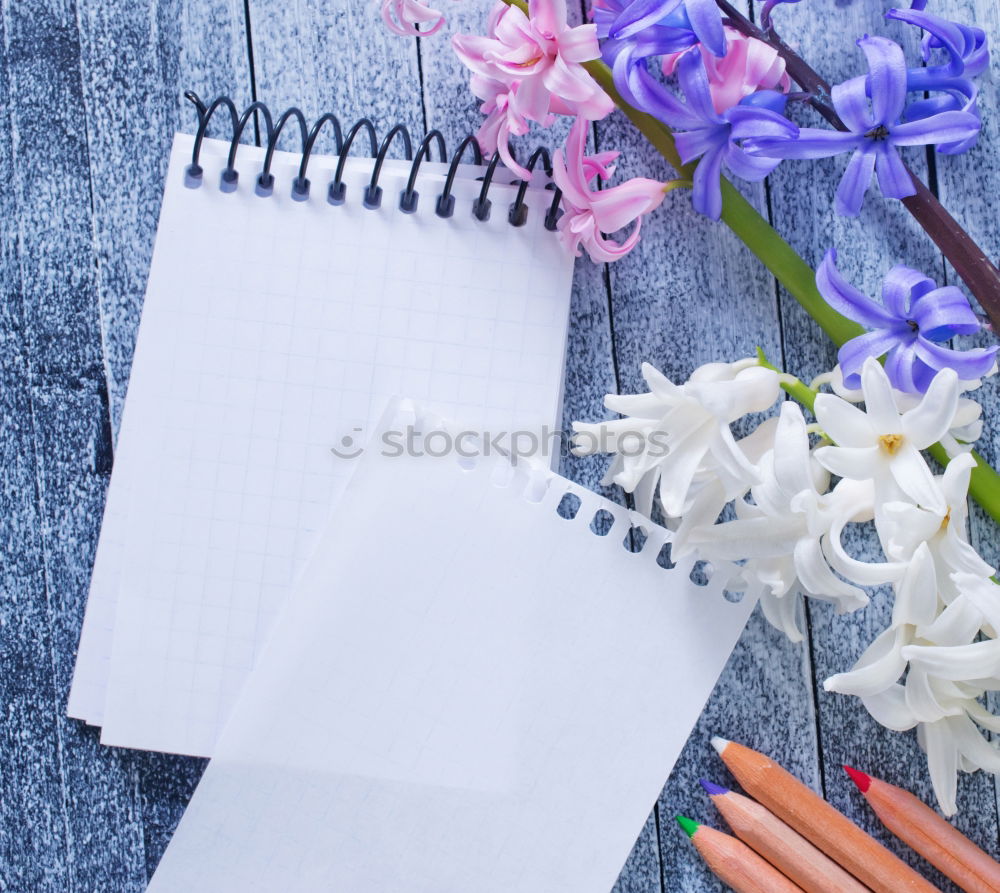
<point x="898" y="287"/>
<point x="640" y="89"/>
<point x="943" y="128"/>
<point x="639" y="15"/>
<point x="850" y="99"/>
<point x="706" y="20"/>
<point x="853" y="354"/>
<point x="854" y="184"/>
<point x="846" y="299"/>
<point x="811" y="143"/>
<point x="752" y="122"/>
<point x="707" y="191"/>
<point x="966" y="45"/>
<point x="747" y="167"/>
<point x="899" y="363"/>
<point x="693" y="79"/>
<point x="943" y="313"/>
<point x="887" y="78"/>
<point x="969" y="364"/>
<point x="693" y="144"/>
<point x="894" y="179"/>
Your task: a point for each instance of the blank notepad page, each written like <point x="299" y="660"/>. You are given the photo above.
<point x="273" y="332"/>
<point x="467" y="693"/>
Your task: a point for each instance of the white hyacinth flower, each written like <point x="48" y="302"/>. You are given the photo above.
<point x="677" y="433"/>
<point x="882" y="445"/>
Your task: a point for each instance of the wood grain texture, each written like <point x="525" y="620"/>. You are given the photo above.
<point x="82" y="795"/>
<point x="689" y="294"/>
<point x="975" y="209"/>
<point x="76" y="235"/>
<point x="884" y="234"/>
<point x="137" y="60"/>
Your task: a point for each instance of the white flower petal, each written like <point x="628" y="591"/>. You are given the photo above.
<point x="961" y="662"/>
<point x="792" y="459"/>
<point x="878" y="668"/>
<point x="973" y="745"/>
<point x="917" y="594"/>
<point x="856" y="463"/>
<point x="821" y="582"/>
<point x="880" y="403"/>
<point x="927" y="422"/>
<point x="888" y="707"/>
<point x="916" y="480"/>
<point x="942" y="763"/>
<point x="957" y="624"/>
<point x="923" y="700"/>
<point x="845" y="424"/>
<point x="781" y="612"/>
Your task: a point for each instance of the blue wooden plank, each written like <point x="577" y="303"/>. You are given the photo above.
<point x="138" y="59"/>
<point x="967" y="186"/>
<point x="884" y="234"/>
<point x="78" y="798"/>
<point x="689" y="294"/>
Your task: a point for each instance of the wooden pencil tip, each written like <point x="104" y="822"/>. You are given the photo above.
<point x="862" y="780"/>
<point x="690" y="826"/>
<point x="720" y="744"/>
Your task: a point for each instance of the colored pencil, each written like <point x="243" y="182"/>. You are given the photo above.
<point x="919" y="826"/>
<point x="783" y="847"/>
<point x="816" y="820"/>
<point x="734" y="863"/>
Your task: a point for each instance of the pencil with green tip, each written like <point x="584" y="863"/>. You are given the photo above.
<point x="734" y="863"/>
<point x="919" y="826"/>
<point x="816" y="820"/>
<point x="783" y="847"/>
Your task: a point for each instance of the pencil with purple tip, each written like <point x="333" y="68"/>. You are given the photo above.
<point x="783" y="847"/>
<point x="734" y="863"/>
<point x="919" y="826"/>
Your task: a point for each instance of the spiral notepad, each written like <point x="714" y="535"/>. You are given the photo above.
<point x="290" y="295"/>
<point x="474" y="687"/>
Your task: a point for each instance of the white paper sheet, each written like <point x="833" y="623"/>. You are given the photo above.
<point x="272" y="329"/>
<point x="466" y="692"/>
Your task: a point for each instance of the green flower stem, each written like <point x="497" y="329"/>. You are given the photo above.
<point x="798" y="278"/>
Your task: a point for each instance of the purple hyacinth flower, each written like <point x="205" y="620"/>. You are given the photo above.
<point x="712" y="137"/>
<point x="626" y="56"/>
<point x="703" y="16"/>
<point x="966" y="45"/>
<point x="874" y="130"/>
<point x="906" y="327"/>
<point x="950" y="89"/>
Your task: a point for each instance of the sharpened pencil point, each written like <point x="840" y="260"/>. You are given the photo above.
<point x="714" y="790"/>
<point x="862" y="780"/>
<point x="690" y="826"/>
<point x="720" y="744"/>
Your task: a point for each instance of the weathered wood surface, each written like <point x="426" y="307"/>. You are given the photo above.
<point x="90" y="92"/>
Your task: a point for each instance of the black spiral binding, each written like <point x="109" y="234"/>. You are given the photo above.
<point x="517" y="214"/>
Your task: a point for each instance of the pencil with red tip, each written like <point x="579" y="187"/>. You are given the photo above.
<point x="921" y="828"/>
<point x="783" y="847"/>
<point x="734" y="863"/>
<point x="831" y="831"/>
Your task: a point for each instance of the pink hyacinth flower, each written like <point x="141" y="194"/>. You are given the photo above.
<point x="540" y="54"/>
<point x="589" y="214"/>
<point x="748" y="66"/>
<point x="403" y="16"/>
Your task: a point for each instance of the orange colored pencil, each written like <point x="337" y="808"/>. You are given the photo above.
<point x="917" y="825"/>
<point x="734" y="863"/>
<point x="816" y="820"/>
<point x="783" y="847"/>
